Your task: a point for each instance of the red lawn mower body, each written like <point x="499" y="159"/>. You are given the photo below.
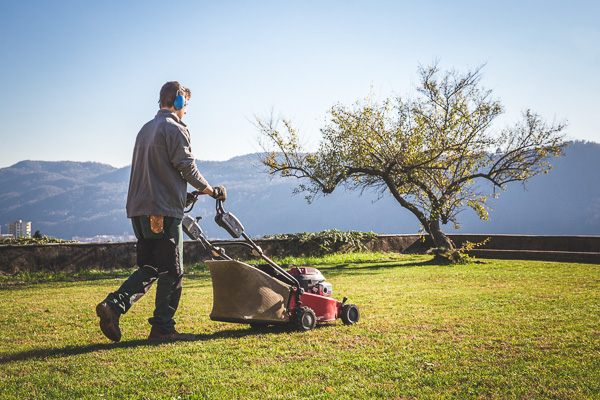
<point x="266" y="294"/>
<point x="316" y="295"/>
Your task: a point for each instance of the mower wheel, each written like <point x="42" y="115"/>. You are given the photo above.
<point x="306" y="319"/>
<point x="350" y="314"/>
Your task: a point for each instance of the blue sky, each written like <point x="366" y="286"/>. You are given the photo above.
<point x="80" y="78"/>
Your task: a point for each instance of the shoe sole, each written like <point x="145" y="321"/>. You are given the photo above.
<point x="106" y="323"/>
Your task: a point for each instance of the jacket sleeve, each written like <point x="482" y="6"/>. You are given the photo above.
<point x="180" y="154"/>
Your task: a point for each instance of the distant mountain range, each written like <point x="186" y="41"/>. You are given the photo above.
<point x="65" y="199"/>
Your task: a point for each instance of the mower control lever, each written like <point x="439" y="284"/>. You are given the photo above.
<point x="193" y="197"/>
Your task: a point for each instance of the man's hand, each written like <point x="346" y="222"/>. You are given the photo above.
<point x="219" y="193"/>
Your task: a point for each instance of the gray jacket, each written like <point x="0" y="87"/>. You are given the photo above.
<point x="161" y="167"/>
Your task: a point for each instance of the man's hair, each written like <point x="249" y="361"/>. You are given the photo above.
<point x="169" y="92"/>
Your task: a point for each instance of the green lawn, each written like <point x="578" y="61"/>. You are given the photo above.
<point x="497" y="330"/>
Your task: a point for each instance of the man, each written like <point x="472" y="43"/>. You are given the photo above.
<point x="161" y="168"/>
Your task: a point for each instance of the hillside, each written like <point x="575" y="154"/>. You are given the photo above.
<point x="65" y="199"/>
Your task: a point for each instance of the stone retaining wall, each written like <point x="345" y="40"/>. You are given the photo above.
<point x="71" y="257"/>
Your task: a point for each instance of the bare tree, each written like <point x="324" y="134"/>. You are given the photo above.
<point x="428" y="152"/>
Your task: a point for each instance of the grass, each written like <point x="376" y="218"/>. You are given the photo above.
<point x="498" y="330"/>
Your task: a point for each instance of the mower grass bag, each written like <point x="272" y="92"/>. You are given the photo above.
<point x="242" y="293"/>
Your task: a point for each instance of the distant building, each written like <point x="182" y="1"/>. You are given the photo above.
<point x="19" y="229"/>
<point x="5" y="236"/>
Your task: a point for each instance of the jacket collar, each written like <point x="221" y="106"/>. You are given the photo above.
<point x="163" y="113"/>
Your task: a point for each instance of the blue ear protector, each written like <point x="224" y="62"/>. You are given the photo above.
<point x="180" y="102"/>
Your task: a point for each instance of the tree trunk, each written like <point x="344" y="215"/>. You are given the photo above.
<point x="439" y="238"/>
<point x="432" y="227"/>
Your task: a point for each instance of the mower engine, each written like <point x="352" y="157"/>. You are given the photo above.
<point x="312" y="281"/>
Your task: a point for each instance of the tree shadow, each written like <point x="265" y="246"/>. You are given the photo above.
<point x="342" y="269"/>
<point x="68" y="351"/>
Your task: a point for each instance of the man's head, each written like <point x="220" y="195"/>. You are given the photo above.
<point x="168" y="94"/>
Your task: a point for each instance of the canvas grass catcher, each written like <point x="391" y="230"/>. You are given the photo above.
<point x="264" y="294"/>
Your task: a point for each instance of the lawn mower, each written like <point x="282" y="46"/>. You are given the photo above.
<point x="261" y="295"/>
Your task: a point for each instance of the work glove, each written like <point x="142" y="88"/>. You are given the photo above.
<point x="219" y="193"/>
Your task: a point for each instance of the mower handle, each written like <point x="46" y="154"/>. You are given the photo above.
<point x="238" y="229"/>
<point x="287" y="277"/>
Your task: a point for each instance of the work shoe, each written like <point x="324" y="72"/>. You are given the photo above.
<point x="157" y="336"/>
<point x="109" y="321"/>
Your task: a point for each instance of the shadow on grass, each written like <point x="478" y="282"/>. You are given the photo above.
<point x="342" y="269"/>
<point x="19" y="284"/>
<point x="8" y="284"/>
<point x="78" y="350"/>
<point x="359" y="266"/>
<point x="200" y="274"/>
<point x="385" y="264"/>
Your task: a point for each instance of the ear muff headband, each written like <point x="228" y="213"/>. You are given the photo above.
<point x="180" y="102"/>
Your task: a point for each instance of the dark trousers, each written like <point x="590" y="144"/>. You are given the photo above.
<point x="160" y="259"/>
